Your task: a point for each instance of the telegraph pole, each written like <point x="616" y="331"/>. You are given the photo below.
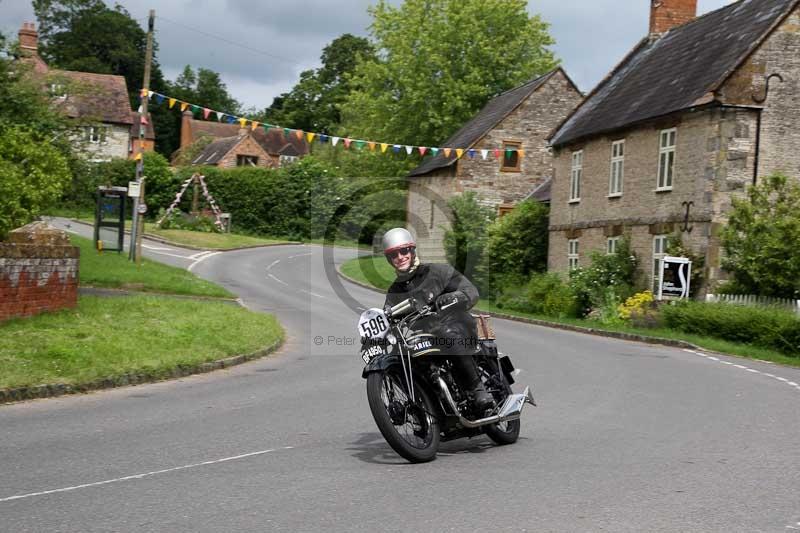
<point x="139" y="205"/>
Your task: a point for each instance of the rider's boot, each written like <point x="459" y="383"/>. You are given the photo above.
<point x="481" y="398"/>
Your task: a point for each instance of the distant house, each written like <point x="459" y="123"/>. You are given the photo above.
<point x="699" y="109"/>
<point x="520" y="118"/>
<point x="98" y="102"/>
<point x="232" y="145"/>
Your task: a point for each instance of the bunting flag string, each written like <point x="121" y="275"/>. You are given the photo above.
<point x="310" y="136"/>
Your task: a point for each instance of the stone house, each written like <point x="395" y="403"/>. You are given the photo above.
<point x="520" y="118"/>
<point x="233" y="145"/>
<point x="699" y="109"/>
<point x="98" y="103"/>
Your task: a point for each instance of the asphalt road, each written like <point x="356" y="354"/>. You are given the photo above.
<point x="627" y="436"/>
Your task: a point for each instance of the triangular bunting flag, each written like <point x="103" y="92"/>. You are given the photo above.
<point x="496" y="152"/>
<point x="446" y="152"/>
<point x="140" y="109"/>
<point x="396" y="148"/>
<point x="323" y="138"/>
<point x="384" y="146"/>
<point x="299" y="134"/>
<point x="334" y="140"/>
<point x="172" y="102"/>
<point x="521" y="153"/>
<point x="508" y="152"/>
<point x="459" y="153"/>
<point x="360" y="144"/>
<point x="434" y="150"/>
<point x="220" y="116"/>
<point x="138" y="156"/>
<point x="195" y="109"/>
<point x="231" y="119"/>
<point x="347" y="142"/>
<point x="310" y="136"/>
<point x="206" y="111"/>
<point x="184" y="105"/>
<point x="149" y="94"/>
<point x="422" y="150"/>
<point x="409" y="149"/>
<point x="254" y="125"/>
<point x="471" y="153"/>
<point x="371" y="145"/>
<point x="266" y="127"/>
<point x="484" y="153"/>
<point x="243" y="122"/>
<point x="159" y="98"/>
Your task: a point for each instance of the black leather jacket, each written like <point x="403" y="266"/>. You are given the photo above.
<point x="431" y="281"/>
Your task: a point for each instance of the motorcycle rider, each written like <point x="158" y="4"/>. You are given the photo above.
<point x="453" y="294"/>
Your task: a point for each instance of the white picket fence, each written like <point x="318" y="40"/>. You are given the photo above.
<point x="752" y="299"/>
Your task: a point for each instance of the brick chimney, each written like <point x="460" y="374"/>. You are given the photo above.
<point x="666" y="14"/>
<point x="186" y="128"/>
<point x="29" y="38"/>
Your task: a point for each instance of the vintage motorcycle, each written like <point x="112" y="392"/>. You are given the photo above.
<point x="412" y="394"/>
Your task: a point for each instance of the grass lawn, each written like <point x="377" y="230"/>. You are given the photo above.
<point x="113" y="270"/>
<point x="376" y="271"/>
<point x="107" y="337"/>
<point x="208" y="241"/>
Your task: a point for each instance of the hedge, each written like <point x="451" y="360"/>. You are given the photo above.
<point x="761" y="326"/>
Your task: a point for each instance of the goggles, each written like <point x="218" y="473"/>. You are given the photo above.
<point x="400" y="251"/>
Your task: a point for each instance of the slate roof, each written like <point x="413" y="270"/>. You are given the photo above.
<point x="272" y="142"/>
<point x="216" y="151"/>
<point x="102" y="97"/>
<point x="676" y="71"/>
<point x="542" y="192"/>
<point x="487" y="118"/>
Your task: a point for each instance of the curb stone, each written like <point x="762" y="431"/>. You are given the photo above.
<point x="131" y="378"/>
<point x="675" y="343"/>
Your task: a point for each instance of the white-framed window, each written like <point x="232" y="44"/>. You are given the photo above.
<point x="57" y="90"/>
<point x="572" y="253"/>
<point x="666" y="159"/>
<point x="659" y="252"/>
<point x="617" y="168"/>
<point x="612" y="243"/>
<point x="95" y="134"/>
<point x="575" y="176"/>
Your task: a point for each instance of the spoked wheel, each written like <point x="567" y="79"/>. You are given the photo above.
<point x="409" y="427"/>
<point x="502" y="432"/>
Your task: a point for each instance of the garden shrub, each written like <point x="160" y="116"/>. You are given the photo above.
<point x="544" y="294"/>
<point x="640" y="310"/>
<point x="609" y="279"/>
<point x="762" y="326"/>
<point x="516" y="244"/>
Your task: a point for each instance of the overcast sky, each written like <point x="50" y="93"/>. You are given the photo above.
<point x="277" y="39"/>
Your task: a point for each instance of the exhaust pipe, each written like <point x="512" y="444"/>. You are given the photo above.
<point x="511" y="409"/>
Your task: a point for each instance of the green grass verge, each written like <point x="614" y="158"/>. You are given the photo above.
<point x="108" y="337"/>
<point x="113" y="270"/>
<point x="372" y="269"/>
<point x="208" y="241"/>
<point x="375" y="271"/>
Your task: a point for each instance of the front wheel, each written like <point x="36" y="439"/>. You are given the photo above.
<point x="410" y="428"/>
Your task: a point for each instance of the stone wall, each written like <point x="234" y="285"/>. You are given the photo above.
<point x="116" y="144"/>
<point x="38" y="272"/>
<point x="714" y="158"/>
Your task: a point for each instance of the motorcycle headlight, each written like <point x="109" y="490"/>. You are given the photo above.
<point x="391" y="338"/>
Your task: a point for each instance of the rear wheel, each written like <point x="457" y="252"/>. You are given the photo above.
<point x="502" y="432"/>
<point x="410" y="428"/>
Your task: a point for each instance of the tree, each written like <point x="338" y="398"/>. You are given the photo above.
<point x="439" y="62"/>
<point x="516" y="246"/>
<point x="465" y="239"/>
<point x="313" y="103"/>
<point x="761" y="237"/>
<point x="34" y="174"/>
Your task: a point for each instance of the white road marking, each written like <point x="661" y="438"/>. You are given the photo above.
<point x="171" y="255"/>
<point x="279" y="281"/>
<point x="312" y="293"/>
<point x="200" y="254"/>
<point x="748" y="369"/>
<point x="139" y="476"/>
<point x="202" y="258"/>
<point x="273" y="264"/>
<point x="298" y="255"/>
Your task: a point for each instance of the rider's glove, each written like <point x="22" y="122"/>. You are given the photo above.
<point x="452" y="300"/>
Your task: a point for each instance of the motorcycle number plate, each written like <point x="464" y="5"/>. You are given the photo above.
<point x="373" y="324"/>
<point x="371" y="352"/>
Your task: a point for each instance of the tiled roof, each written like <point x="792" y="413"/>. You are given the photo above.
<point x="676" y="71"/>
<point x="216" y="151"/>
<point x="149" y="133"/>
<point x="102" y="97"/>
<point x="272" y="142"/>
<point x="542" y="192"/>
<point x="487" y="118"/>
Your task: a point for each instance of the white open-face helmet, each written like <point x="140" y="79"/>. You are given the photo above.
<point x="397" y="238"/>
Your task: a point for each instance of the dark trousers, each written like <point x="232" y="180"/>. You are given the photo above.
<point x="457" y="338"/>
